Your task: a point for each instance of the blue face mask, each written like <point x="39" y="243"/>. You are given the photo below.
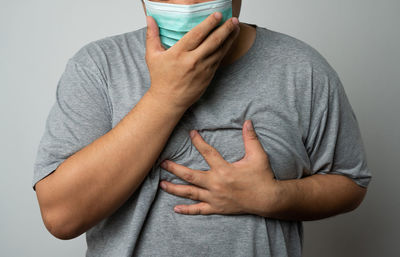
<point x="175" y="20"/>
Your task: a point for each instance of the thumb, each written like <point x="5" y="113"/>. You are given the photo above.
<point x="153" y="42"/>
<point x="251" y="143"/>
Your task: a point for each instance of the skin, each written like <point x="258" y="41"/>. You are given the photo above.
<point x="244" y="40"/>
<point x="97" y="180"/>
<point x="248" y="185"/>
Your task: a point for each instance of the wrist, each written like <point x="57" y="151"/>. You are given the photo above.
<point x="277" y="197"/>
<point x="165" y="103"/>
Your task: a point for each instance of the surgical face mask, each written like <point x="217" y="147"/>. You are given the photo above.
<point x="175" y="20"/>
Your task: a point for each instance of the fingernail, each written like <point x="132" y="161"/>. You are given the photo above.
<point x="178" y="209"/>
<point x="163" y="185"/>
<point x="218" y="15"/>
<point x="192" y="133"/>
<point x="235" y="21"/>
<point x="249" y="125"/>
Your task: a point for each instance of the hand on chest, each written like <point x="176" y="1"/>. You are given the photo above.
<point x="221" y="127"/>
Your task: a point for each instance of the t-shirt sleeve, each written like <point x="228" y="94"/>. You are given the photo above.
<point x="81" y="113"/>
<point x="334" y="144"/>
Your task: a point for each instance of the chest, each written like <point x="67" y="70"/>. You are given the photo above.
<point x="273" y="107"/>
<point x="219" y="116"/>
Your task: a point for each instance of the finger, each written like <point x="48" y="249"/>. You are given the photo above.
<point x="217" y="38"/>
<point x="194" y="37"/>
<point x="195" y="209"/>
<point x="216" y="57"/>
<point x="251" y="143"/>
<point x="210" y="154"/>
<point x="153" y="42"/>
<point x="196" y="177"/>
<point x="186" y="191"/>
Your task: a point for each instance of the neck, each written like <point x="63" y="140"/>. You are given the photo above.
<point x="241" y="45"/>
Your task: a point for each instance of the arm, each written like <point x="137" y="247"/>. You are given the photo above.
<point x="249" y="186"/>
<point x="315" y="197"/>
<point x="333" y="144"/>
<point x="95" y="181"/>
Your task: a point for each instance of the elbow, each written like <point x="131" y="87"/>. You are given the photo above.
<point x="357" y="196"/>
<point x="58" y="219"/>
<point x="61" y="227"/>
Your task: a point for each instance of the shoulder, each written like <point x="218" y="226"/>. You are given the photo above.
<point x="293" y="53"/>
<point x="106" y="51"/>
<point x="299" y="63"/>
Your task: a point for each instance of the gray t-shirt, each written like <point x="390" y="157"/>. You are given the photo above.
<point x="299" y="109"/>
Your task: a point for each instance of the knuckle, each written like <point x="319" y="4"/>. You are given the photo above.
<point x="191" y="63"/>
<point x="214" y="21"/>
<point x="230" y="26"/>
<point x="196" y="35"/>
<point x="178" y="55"/>
<point x="214" y="65"/>
<point x="209" y="151"/>
<point x="253" y="135"/>
<point x="214" y="153"/>
<point x="190" y="194"/>
<point x="226" y="171"/>
<point x="217" y="40"/>
<point x="188" y="177"/>
<point x="222" y="210"/>
<point x="220" y="53"/>
<point x="216" y="187"/>
<point x="211" y="20"/>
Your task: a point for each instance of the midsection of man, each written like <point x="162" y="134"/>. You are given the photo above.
<point x="265" y="86"/>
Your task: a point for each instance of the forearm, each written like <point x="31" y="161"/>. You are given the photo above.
<point x="315" y="197"/>
<point x="94" y="182"/>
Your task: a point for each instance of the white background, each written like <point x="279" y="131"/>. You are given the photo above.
<point x="360" y="39"/>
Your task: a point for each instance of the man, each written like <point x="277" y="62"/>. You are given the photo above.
<point x="126" y="103"/>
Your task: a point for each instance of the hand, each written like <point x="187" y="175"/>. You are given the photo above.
<point x="181" y="74"/>
<point x="245" y="186"/>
